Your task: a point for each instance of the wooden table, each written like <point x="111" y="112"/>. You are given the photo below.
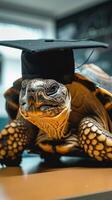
<point x="35" y="180"/>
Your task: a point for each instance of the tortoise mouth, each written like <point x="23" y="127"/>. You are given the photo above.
<point x="43" y="107"/>
<point x="40" y="107"/>
<point x="42" y="110"/>
<point x="47" y="107"/>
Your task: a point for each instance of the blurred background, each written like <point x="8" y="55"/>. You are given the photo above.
<point x="63" y="19"/>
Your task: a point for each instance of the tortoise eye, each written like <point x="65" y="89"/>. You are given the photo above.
<point x="52" y="89"/>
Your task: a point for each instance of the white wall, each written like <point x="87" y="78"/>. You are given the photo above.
<point x="10" y="72"/>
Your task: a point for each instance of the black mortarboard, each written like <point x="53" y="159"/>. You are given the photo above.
<point x="49" y="58"/>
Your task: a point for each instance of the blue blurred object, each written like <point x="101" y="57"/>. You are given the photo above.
<point x="3" y="122"/>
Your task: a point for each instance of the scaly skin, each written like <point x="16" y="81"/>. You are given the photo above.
<point x="95" y="140"/>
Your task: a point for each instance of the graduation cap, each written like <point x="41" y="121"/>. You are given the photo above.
<point x="52" y="59"/>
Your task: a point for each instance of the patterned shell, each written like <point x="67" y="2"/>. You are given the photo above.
<point x="92" y="76"/>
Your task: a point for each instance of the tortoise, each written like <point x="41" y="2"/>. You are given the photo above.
<point x="53" y="119"/>
<point x="72" y="119"/>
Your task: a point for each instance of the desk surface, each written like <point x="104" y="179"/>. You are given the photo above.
<point x="39" y="181"/>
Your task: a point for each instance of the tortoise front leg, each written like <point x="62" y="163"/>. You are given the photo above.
<point x="95" y="140"/>
<point x="14" y="138"/>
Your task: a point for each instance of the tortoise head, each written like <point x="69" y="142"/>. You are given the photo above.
<point x="44" y="100"/>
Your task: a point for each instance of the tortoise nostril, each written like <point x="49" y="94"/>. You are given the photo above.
<point x="31" y="90"/>
<point x="23" y="103"/>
